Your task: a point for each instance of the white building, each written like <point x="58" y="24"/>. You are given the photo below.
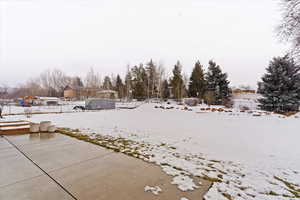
<point x="48" y="101"/>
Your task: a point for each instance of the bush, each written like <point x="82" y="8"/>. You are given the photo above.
<point x="228" y="103"/>
<point x="244" y="108"/>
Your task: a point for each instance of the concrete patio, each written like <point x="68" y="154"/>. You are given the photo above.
<point x="53" y="166"/>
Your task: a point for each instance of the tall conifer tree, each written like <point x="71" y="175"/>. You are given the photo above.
<point x="280" y="86"/>
<point x="197" y="81"/>
<point x="217" y="83"/>
<point x="177" y="81"/>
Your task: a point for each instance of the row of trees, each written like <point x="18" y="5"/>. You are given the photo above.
<point x="150" y="82"/>
<point x="49" y="83"/>
<point x="140" y="82"/>
<point x="53" y="83"/>
<point x="280" y="86"/>
<point x="211" y="86"/>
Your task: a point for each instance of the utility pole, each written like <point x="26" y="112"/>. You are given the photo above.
<point x="148" y="77"/>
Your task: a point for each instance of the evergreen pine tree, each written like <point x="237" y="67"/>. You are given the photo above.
<point x="128" y="84"/>
<point x="217" y="83"/>
<point x="177" y="81"/>
<point x="139" y="82"/>
<point x="152" y="76"/>
<point x="107" y="85"/>
<point x="197" y="82"/>
<point x="259" y="87"/>
<point x="165" y="88"/>
<point x="120" y="87"/>
<point x="280" y="86"/>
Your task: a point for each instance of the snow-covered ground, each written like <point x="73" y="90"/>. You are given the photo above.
<point x="247" y="157"/>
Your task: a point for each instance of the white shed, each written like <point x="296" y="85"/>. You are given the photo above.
<point x="49" y="101"/>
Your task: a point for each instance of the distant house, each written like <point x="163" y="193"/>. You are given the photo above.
<point x="245" y="99"/>
<point x="243" y="91"/>
<point x="80" y="93"/>
<point x="107" y="94"/>
<point x="70" y="93"/>
<point x="49" y="101"/>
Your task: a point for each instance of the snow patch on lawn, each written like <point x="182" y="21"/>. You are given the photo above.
<point x="183" y="198"/>
<point x="155" y="190"/>
<point x="246" y="157"/>
<point x="184" y="183"/>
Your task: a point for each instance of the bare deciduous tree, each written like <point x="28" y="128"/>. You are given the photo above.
<point x="60" y="81"/>
<point x="45" y="79"/>
<point x="93" y="79"/>
<point x="3" y="91"/>
<point x="33" y="88"/>
<point x="289" y="30"/>
<point x="54" y="82"/>
<point x="161" y="76"/>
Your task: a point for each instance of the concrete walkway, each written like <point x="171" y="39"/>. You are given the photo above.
<point x="54" y="166"/>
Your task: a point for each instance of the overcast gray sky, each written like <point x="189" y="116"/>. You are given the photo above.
<point x="74" y="35"/>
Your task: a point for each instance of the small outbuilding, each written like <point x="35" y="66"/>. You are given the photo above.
<point x="100" y="104"/>
<point x="49" y="101"/>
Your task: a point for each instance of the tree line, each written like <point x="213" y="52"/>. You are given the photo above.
<point x="149" y="81"/>
<point x="279" y="86"/>
<point x="141" y="82"/>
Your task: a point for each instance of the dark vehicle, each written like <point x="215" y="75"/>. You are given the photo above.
<point x="79" y="108"/>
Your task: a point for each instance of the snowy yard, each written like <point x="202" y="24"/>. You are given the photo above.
<point x="247" y="157"/>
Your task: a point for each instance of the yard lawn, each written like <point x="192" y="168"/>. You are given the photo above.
<point x="247" y="157"/>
